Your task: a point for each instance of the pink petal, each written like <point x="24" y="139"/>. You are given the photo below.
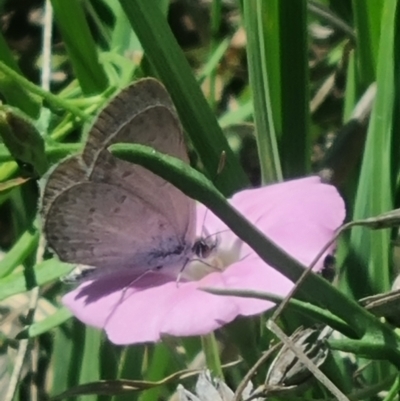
<point x="151" y="307"/>
<point x="94" y="302"/>
<point x="180" y="310"/>
<point x="300" y="215"/>
<point x="254" y="274"/>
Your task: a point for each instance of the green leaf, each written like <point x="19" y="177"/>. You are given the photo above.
<point x="23" y="140"/>
<point x="7" y="186"/>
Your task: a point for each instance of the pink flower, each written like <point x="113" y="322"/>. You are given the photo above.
<point x="299" y="215"/>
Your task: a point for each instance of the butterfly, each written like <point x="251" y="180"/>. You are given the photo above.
<point x="108" y="214"/>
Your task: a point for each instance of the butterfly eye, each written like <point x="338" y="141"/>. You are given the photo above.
<point x="204" y="247"/>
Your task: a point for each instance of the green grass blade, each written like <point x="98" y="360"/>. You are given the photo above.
<point x="255" y="14"/>
<point x="367" y="18"/>
<point x="44" y="273"/>
<point x="214" y="59"/>
<point x="14" y="93"/>
<point x="24" y="247"/>
<point x="51" y="322"/>
<point x="158" y="368"/>
<point x="61" y="358"/>
<point x="80" y="45"/>
<point x="90" y="367"/>
<point x="295" y="144"/>
<point x="243" y="113"/>
<point x="375" y="190"/>
<point x="165" y="55"/>
<point x="123" y="38"/>
<point x="351" y="89"/>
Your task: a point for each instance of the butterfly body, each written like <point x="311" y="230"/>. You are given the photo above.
<point x="109" y="214"/>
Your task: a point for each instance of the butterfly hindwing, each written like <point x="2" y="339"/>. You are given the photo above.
<point x="105" y="226"/>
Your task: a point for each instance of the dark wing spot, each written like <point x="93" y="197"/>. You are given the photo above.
<point x="121" y="199"/>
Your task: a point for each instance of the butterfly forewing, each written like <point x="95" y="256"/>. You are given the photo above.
<point x="121" y="111"/>
<point x="66" y="174"/>
<point x="158" y="128"/>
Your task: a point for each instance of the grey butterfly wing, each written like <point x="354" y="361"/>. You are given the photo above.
<point x="105" y="226"/>
<point x="156" y="225"/>
<point x="66" y="174"/>
<point x="118" y="123"/>
<point x="158" y="128"/>
<point x="152" y="122"/>
<point x="134" y="100"/>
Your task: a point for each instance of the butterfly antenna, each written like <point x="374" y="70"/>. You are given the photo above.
<point x="216" y="233"/>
